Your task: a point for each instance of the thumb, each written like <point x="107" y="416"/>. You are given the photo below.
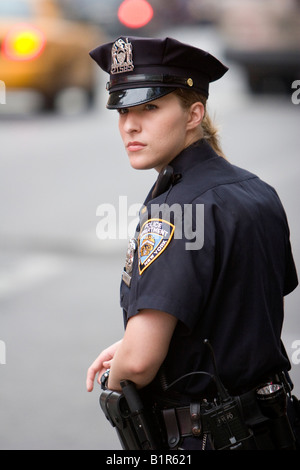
<point x="107" y="364"/>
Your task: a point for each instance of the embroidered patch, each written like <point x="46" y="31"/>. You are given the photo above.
<point x="154" y="238"/>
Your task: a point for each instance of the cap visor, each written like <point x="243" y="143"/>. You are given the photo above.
<point x="135" y="96"/>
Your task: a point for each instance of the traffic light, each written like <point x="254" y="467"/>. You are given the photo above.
<point x="135" y="13"/>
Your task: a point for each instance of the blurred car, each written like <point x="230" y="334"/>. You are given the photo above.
<point x="264" y="38"/>
<point x="42" y="51"/>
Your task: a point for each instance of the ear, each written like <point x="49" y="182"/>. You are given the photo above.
<point x="196" y="115"/>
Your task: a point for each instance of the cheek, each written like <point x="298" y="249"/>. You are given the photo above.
<point x="167" y="127"/>
<point x="173" y="132"/>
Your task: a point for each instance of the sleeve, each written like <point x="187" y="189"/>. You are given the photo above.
<point x="175" y="264"/>
<point x="291" y="278"/>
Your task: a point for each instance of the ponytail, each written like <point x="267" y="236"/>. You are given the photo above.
<point x="210" y="130"/>
<point x="211" y="134"/>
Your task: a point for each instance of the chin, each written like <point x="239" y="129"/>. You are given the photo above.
<point x="138" y="164"/>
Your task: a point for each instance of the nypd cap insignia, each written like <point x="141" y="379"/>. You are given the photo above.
<point x="121" y="57"/>
<point x="154" y="238"/>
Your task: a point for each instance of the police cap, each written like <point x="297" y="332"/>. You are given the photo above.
<point x="144" y="69"/>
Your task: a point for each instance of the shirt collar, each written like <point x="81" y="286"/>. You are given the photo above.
<point x="191" y="156"/>
<point x="185" y="161"/>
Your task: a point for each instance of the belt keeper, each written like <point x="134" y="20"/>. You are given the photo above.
<point x="172" y="429"/>
<point x="195" y="419"/>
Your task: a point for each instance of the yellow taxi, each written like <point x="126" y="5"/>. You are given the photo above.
<point x="40" y="50"/>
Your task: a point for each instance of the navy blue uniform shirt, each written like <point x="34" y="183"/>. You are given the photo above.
<point x="230" y="288"/>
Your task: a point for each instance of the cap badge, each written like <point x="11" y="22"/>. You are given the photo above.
<point x="121" y="57"/>
<point x="127" y="272"/>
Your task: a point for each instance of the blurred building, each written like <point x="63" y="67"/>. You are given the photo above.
<point x="264" y="38"/>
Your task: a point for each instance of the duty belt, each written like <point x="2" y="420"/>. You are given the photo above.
<point x="191" y="420"/>
<point x="182" y="422"/>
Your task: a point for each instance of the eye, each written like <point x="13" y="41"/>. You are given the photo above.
<point x="123" y="111"/>
<point x="150" y="107"/>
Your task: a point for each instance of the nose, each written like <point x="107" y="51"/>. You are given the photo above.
<point x="131" y="122"/>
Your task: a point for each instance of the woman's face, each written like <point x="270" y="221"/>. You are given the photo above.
<point x="154" y="133"/>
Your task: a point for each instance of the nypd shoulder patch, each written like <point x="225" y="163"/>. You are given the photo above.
<point x="154" y="238"/>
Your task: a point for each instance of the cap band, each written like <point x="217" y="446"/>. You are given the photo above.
<point x="145" y="78"/>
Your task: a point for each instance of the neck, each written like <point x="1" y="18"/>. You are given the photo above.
<point x="193" y="136"/>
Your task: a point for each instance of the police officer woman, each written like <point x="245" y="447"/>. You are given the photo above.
<point x="211" y="258"/>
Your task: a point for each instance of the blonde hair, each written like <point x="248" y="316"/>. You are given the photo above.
<point x="210" y="130"/>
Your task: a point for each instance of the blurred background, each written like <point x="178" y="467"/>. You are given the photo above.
<point x="61" y="158"/>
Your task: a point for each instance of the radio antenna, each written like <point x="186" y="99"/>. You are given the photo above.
<point x="221" y="389"/>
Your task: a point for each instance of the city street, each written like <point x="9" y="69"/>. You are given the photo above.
<point x="59" y="283"/>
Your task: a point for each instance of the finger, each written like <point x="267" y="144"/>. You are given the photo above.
<point x="91" y="373"/>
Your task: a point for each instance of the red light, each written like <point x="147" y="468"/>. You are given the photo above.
<point x="23" y="42"/>
<point x="135" y="13"/>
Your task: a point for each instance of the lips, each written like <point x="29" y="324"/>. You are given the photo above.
<point x="135" y="146"/>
